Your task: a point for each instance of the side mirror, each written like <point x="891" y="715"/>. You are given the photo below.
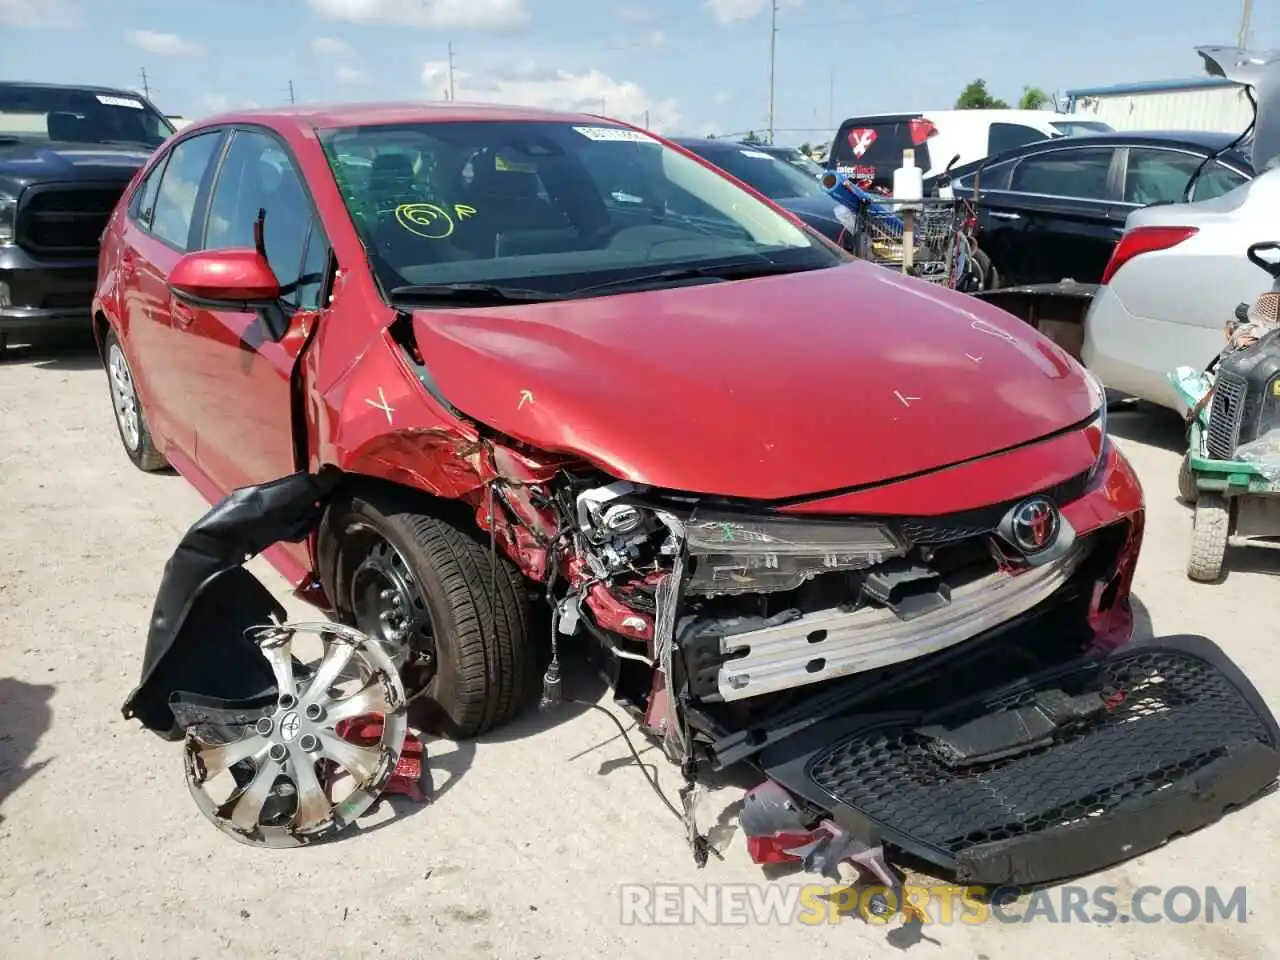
<point x="226" y="280"/>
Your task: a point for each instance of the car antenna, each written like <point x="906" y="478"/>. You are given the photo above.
<point x="259" y="233"/>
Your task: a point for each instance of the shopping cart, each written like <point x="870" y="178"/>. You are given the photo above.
<point x="940" y="245"/>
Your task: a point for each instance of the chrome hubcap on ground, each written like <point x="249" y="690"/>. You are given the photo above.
<point x="293" y="776"/>
<point x="123" y="396"/>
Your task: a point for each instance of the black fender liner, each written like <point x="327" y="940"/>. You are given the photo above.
<point x="196" y="640"/>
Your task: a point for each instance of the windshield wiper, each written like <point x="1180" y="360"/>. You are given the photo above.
<point x="716" y="274"/>
<point x="476" y="294"/>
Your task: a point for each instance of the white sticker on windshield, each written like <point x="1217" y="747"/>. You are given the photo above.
<point x="614" y="133"/>
<point x="119" y="102"/>
<point x="755" y="153"/>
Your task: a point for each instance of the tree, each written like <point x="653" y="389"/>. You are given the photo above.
<point x="806" y="148"/>
<point x="1033" y="98"/>
<point x="976" y="97"/>
<point x="753" y="137"/>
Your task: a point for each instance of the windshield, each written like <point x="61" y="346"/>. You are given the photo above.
<point x="1076" y="128"/>
<point x="776" y="179"/>
<point x="548" y="206"/>
<point x="45" y="114"/>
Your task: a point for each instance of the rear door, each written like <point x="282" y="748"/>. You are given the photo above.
<point x="1161" y="174"/>
<point x="871" y="148"/>
<point x="1060" y="211"/>
<point x="157" y="233"/>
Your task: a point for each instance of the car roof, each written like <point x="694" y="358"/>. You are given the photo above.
<point x="972" y="116"/>
<point x="329" y="116"/>
<point x="1208" y="141"/>
<point x="71" y="87"/>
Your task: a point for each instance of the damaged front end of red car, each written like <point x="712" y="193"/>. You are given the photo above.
<point x="959" y="684"/>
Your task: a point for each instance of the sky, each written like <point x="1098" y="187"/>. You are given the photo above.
<point x="683" y="66"/>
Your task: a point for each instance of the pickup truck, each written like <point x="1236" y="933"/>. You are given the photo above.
<point x="66" y="155"/>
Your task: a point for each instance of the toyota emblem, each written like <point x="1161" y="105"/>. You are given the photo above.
<point x="289" y="726"/>
<point x="1034" y="524"/>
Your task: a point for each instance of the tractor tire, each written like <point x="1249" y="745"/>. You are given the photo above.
<point x="469" y="604"/>
<point x="1210" y="528"/>
<point x="1187" y="491"/>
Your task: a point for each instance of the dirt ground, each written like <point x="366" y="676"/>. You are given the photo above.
<point x="531" y="831"/>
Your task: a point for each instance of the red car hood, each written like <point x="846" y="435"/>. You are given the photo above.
<point x="763" y="388"/>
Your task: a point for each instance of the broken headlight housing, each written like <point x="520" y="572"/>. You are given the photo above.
<point x="733" y="553"/>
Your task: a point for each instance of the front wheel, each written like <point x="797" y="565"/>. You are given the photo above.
<point x="419" y="582"/>
<point x="1210" y="529"/>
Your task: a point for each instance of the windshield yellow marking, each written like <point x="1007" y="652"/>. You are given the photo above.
<point x="431" y="220"/>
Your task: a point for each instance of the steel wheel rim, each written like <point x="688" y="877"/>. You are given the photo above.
<point x="287" y="744"/>
<point x="124" y="397"/>
<point x="389" y="603"/>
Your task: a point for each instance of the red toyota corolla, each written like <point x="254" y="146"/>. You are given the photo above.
<point x="556" y="360"/>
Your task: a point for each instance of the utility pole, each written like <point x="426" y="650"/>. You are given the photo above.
<point x="1245" y="16"/>
<point x="146" y="88"/>
<point x="646" y="119"/>
<point x="773" y="54"/>
<point x="450" y="69"/>
<point x="291" y="99"/>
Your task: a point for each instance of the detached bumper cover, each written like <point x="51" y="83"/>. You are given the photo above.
<point x="1060" y="775"/>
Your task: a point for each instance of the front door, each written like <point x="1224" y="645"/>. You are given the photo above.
<point x="1067" y="198"/>
<point x="244" y="416"/>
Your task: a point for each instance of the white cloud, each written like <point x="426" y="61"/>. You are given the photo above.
<point x="733" y="11"/>
<point x="657" y="38"/>
<point x="330" y="47"/>
<point x="163" y="44"/>
<point x="221" y="103"/>
<point x="631" y="14"/>
<point x="484" y="14"/>
<point x="530" y="86"/>
<point x="40" y="14"/>
<point x="350" y="76"/>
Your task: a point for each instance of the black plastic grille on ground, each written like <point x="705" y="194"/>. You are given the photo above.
<point x="1169" y="715"/>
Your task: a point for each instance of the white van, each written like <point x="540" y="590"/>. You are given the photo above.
<point x="870" y="147"/>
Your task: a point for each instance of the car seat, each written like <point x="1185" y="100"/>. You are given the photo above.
<point x="391" y="185"/>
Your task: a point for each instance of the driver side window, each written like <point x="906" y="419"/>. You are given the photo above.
<point x="257" y="174"/>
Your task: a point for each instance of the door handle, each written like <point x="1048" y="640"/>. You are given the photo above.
<point x="1003" y="215"/>
<point x="182" y="316"/>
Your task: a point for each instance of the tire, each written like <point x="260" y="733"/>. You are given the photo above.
<point x="484" y="656"/>
<point x="135" y="435"/>
<point x="1210" y="528"/>
<point x="1187" y="491"/>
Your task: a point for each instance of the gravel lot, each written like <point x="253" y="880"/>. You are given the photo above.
<point x="103" y="854"/>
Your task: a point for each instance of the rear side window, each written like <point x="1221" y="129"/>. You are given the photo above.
<point x="143" y="205"/>
<point x="1079" y="173"/>
<point x="175" y="203"/>
<point x="1161" y="176"/>
<point x="1009" y="136"/>
<point x="874" y="147"/>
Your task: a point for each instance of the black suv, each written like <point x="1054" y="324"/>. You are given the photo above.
<point x="66" y="155"/>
